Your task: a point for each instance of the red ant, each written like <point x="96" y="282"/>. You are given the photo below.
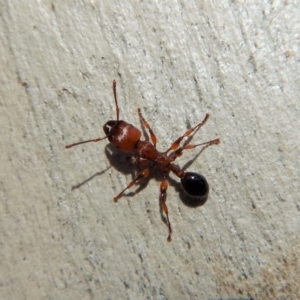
<point x="127" y="138"/>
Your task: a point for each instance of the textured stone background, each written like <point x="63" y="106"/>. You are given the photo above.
<point x="62" y="237"/>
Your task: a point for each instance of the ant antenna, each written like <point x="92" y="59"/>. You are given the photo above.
<point x="100" y="139"/>
<point x="79" y="143"/>
<point x="116" y="101"/>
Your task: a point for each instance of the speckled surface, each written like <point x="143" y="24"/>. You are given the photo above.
<point x="62" y="237"/>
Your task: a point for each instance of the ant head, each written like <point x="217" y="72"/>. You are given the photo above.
<point x="195" y="185"/>
<point x="122" y="134"/>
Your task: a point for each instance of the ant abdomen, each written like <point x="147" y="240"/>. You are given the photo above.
<point x="195" y="184"/>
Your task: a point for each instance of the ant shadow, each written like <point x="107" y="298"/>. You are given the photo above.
<point x="122" y="162"/>
<point x="77" y="186"/>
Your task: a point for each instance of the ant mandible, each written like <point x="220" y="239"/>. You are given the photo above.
<point x="126" y="137"/>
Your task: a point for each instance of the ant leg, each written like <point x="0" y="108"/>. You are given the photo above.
<point x="176" y="144"/>
<point x="179" y="151"/>
<point x="138" y="162"/>
<point x="163" y="197"/>
<point x="79" y="143"/>
<point x="146" y="124"/>
<point x="141" y="175"/>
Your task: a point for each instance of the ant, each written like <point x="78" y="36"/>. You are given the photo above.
<point x="126" y="137"/>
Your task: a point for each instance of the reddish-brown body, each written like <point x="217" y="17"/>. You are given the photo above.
<point x="146" y="150"/>
<point x="128" y="138"/>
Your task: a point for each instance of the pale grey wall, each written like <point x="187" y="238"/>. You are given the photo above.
<point x="177" y="60"/>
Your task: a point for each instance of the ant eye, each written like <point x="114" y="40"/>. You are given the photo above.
<point x="195" y="184"/>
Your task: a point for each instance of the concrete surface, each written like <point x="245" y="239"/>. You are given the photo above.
<point x="62" y="237"/>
